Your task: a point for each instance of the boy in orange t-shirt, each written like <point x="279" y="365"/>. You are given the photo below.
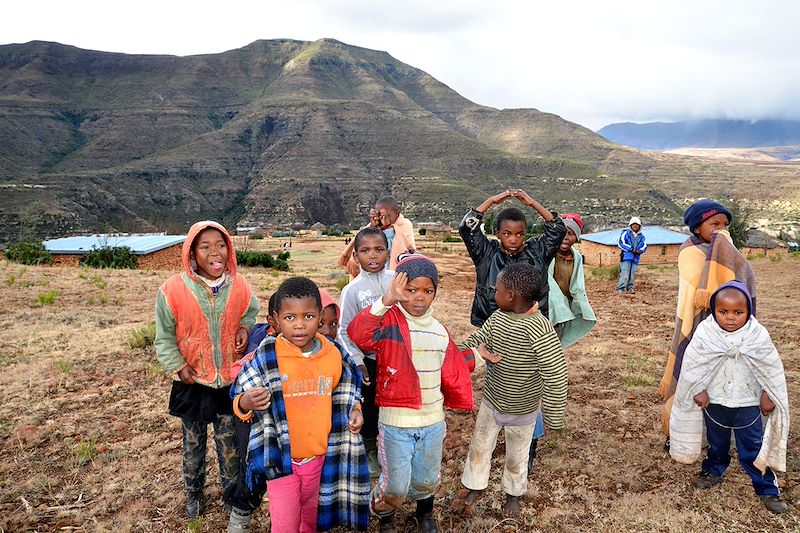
<point x="301" y="394"/>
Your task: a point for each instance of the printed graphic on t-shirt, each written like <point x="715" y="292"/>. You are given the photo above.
<point x="319" y="386"/>
<point x="367" y="297"/>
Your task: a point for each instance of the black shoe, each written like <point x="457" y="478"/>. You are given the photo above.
<point x="706" y="480"/>
<point x="425" y="521"/>
<point x="387" y="524"/>
<point x="774" y="504"/>
<point x="666" y="445"/>
<point x="195" y="504"/>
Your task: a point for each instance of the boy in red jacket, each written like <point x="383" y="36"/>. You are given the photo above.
<point x="420" y="371"/>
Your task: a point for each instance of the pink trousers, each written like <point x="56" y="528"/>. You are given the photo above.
<point x="293" y="499"/>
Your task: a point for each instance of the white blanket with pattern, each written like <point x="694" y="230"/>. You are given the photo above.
<point x="702" y="360"/>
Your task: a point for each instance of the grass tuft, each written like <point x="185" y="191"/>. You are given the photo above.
<point x="142" y="337"/>
<point x="48" y="297"/>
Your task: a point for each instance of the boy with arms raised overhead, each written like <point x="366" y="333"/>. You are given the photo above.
<point x="420" y="371"/>
<point x="525" y="366"/>
<point x="732" y="375"/>
<point x="491" y="256"/>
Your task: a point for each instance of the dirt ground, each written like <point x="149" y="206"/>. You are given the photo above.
<point x="86" y="443"/>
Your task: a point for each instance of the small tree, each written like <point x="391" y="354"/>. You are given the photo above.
<point x="29" y="253"/>
<point x="740" y="225"/>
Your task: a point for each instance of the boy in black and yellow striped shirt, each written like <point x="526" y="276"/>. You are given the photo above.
<point x="525" y="367"/>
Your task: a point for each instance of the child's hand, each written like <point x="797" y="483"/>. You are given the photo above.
<point x="241" y="340"/>
<point x="394" y="292"/>
<point x="522" y="196"/>
<point x="187" y="375"/>
<point x="767" y="405"/>
<point x="256" y="399"/>
<point x="356" y="421"/>
<point x="487" y="355"/>
<point x="364" y="375"/>
<point x="374" y="218"/>
<point x="701" y="399"/>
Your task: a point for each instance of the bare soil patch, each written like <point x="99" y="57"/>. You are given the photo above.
<point x="86" y="444"/>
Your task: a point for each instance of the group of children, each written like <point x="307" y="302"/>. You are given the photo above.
<point x="309" y="421"/>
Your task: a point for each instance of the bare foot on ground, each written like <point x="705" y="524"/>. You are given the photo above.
<point x="511" y="507"/>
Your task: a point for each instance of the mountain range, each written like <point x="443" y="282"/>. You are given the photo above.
<point x="284" y="131"/>
<point x="704" y="134"/>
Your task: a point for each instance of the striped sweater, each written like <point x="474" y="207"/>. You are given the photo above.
<point x="429" y="342"/>
<point x="533" y="369"/>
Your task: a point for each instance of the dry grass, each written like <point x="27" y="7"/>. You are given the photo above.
<point x="86" y="444"/>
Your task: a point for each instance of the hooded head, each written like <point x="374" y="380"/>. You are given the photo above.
<point x="329" y="318"/>
<point x="725" y="305"/>
<point x="187" y="252"/>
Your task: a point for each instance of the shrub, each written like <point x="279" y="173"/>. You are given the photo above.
<point x="423" y="231"/>
<point x="256" y="237"/>
<point x="110" y="257"/>
<point x="341" y="281"/>
<point x="452" y="238"/>
<point x="610" y="273"/>
<point x="281" y="264"/>
<point x="142" y="337"/>
<point x="47" y="298"/>
<point x="255" y="259"/>
<point x="29" y="253"/>
<point x="284" y="255"/>
<point x="279" y="234"/>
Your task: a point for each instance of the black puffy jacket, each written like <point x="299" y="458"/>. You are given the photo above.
<point x="490" y="259"/>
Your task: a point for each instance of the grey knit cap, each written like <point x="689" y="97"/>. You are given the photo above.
<point x="416" y="265"/>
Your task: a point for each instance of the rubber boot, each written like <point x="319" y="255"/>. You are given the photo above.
<point x="239" y="521"/>
<point x="195" y="504"/>
<point x="371" y="446"/>
<point x="532" y="454"/>
<point x="387" y="523"/>
<point x="425" y="521"/>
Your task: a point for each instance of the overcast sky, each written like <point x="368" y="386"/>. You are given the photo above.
<point x="590" y="62"/>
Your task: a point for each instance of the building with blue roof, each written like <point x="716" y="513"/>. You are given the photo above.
<point x="600" y="249"/>
<point x="153" y="250"/>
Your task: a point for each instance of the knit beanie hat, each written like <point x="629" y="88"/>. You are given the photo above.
<point x="635" y="220"/>
<point x="703" y="209"/>
<point x="739" y="286"/>
<point x="574" y="222"/>
<point x="416" y="265"/>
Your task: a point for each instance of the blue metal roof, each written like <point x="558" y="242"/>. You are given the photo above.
<point x="652" y="235"/>
<point x="139" y="243"/>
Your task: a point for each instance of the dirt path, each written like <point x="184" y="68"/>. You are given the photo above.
<point x="86" y="444"/>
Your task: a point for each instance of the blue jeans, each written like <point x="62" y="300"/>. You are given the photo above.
<point x="748" y="444"/>
<point x="411" y="461"/>
<point x="627" y="275"/>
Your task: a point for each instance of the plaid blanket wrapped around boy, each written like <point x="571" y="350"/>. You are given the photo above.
<point x="344" y="485"/>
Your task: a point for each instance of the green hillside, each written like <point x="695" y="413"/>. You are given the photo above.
<point x="287" y="131"/>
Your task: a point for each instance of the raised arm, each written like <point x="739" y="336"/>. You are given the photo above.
<point x="470" y="227"/>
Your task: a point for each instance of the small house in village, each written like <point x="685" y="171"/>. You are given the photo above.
<point x="155" y="251"/>
<point x="318" y="228"/>
<point x="600" y="249"/>
<point x="759" y="242"/>
<point x="434" y="230"/>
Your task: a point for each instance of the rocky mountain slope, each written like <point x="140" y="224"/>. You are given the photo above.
<point x="287" y="131"/>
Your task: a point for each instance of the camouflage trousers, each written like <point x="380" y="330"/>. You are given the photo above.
<point x="195" y="436"/>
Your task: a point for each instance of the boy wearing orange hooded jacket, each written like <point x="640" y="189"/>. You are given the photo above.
<point x="202" y="318"/>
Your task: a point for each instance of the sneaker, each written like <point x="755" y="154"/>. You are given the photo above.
<point x="239" y="522"/>
<point x="774" y="504"/>
<point x="706" y="480"/>
<point x="195" y="504"/>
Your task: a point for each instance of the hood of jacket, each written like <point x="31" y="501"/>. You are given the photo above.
<point x="194" y="231"/>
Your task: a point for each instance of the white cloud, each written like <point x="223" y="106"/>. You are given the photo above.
<point x="591" y="62"/>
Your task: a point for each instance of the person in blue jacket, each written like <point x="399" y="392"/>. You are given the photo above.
<point x="631" y="242"/>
